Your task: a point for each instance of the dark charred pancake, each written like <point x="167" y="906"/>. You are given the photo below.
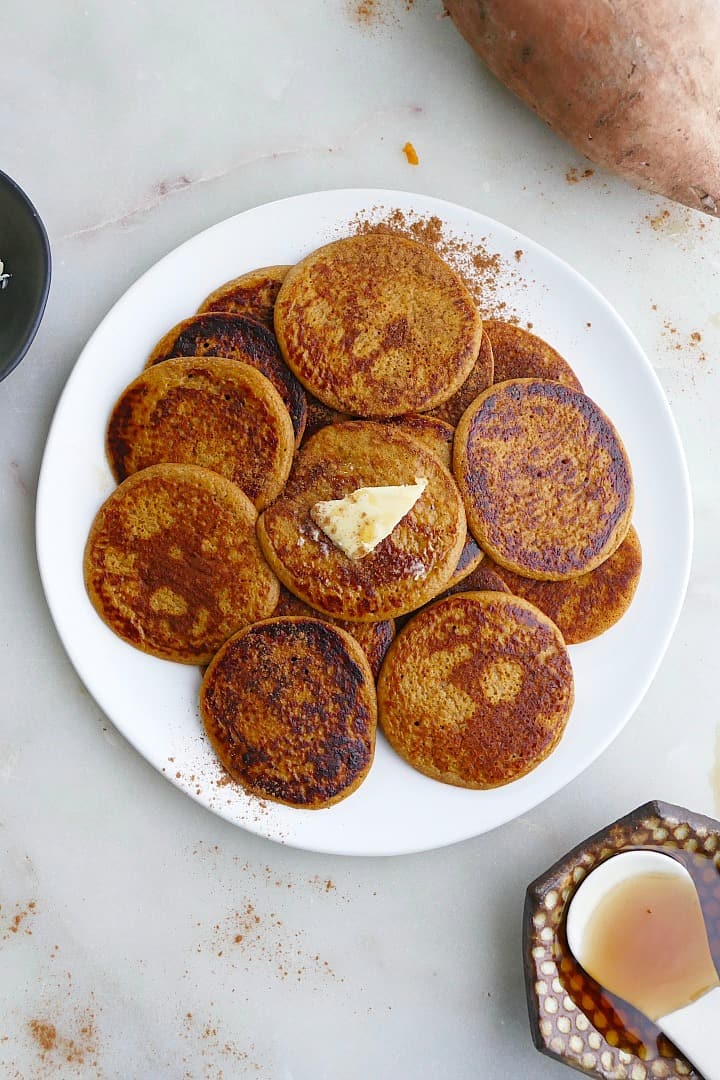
<point x="289" y="707"/>
<point x="478" y="380"/>
<point x="252" y="294"/>
<point x="407" y="568"/>
<point x="172" y="564"/>
<point x="586" y="606"/>
<point x="376" y="325"/>
<point x="319" y="415"/>
<point x="438" y="436"/>
<point x="518" y="354"/>
<point x="374" y="638"/>
<point x="236" y="338"/>
<point x="220" y="414"/>
<point x="545" y="479"/>
<point x="476" y="690"/>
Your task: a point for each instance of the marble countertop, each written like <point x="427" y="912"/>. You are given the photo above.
<point x="141" y="936"/>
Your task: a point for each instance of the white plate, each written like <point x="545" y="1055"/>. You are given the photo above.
<point x="154" y="703"/>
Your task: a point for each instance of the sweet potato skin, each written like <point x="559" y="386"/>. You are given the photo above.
<point x="633" y="84"/>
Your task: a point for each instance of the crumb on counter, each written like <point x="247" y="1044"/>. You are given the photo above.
<point x="411" y="154"/>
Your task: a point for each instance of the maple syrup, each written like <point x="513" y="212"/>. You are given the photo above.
<point x="646" y="942"/>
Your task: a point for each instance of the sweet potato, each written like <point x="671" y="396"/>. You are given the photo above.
<point x="633" y="84"/>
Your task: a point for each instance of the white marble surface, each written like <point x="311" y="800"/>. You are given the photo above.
<point x="132" y="126"/>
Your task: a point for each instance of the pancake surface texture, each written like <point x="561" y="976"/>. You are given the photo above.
<point x="518" y="354"/>
<point x="405" y="569"/>
<point x="220" y="414"/>
<point x="476" y="690"/>
<point x="545" y="479"/>
<point x="478" y="380"/>
<point x="252" y="294"/>
<point x="220" y="333"/>
<point x="289" y="706"/>
<point x="374" y="638"/>
<point x="586" y="606"/>
<point x="377" y="326"/>
<point x="172" y="564"/>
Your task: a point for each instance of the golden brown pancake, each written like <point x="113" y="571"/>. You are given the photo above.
<point x="478" y="380"/>
<point x="172" y="564"/>
<point x="252" y="294"/>
<point x="289" y="706"/>
<point x="376" y="325"/>
<point x="545" y="479"/>
<point x="221" y="414"/>
<point x="220" y="333"/>
<point x="518" y="354"/>
<point x="404" y="570"/>
<point x="438" y="437"/>
<point x="476" y="690"/>
<point x="374" y="638"/>
<point x="586" y="606"/>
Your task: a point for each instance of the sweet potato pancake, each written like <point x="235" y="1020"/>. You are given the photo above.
<point x="289" y="706"/>
<point x="252" y="294"/>
<point x="476" y="690"/>
<point x="407" y="568"/>
<point x="377" y="326"/>
<point x="545" y="479"/>
<point x="518" y="354"/>
<point x="319" y="415"/>
<point x="220" y="333"/>
<point x="172" y="564"/>
<point x="585" y="606"/>
<point x="438" y="436"/>
<point x="221" y="414"/>
<point x="478" y="380"/>
<point x="373" y="637"/>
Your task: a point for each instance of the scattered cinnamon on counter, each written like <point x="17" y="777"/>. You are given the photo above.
<point x="574" y="176"/>
<point x="411" y="154"/>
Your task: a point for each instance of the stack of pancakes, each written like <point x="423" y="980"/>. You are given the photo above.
<point x="365" y="365"/>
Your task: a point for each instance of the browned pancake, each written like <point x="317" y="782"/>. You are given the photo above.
<point x="478" y="380"/>
<point x="404" y="570"/>
<point x="518" y="354"/>
<point x="586" y="606"/>
<point x="289" y="707"/>
<point x="438" y="437"/>
<point x="376" y="325"/>
<point x="252" y="294"/>
<point x="373" y="637"/>
<point x="172" y="564"/>
<point x="319" y="415"/>
<point x="217" y="413"/>
<point x="236" y="338"/>
<point x="481" y="579"/>
<point x="545" y="479"/>
<point x="476" y="690"/>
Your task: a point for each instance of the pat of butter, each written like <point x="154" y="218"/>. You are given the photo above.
<point x="357" y="523"/>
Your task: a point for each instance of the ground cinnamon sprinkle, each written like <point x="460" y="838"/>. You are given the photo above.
<point x="45" y="1035"/>
<point x="485" y="273"/>
<point x="573" y="176"/>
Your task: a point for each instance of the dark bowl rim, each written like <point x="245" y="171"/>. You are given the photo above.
<point x="27" y="341"/>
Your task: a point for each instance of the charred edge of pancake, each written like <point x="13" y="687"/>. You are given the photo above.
<point x="470" y="552"/>
<point x="117" y="447"/>
<point x="600" y="427"/>
<point x="340" y="750"/>
<point x="250" y="301"/>
<point x="256" y="341"/>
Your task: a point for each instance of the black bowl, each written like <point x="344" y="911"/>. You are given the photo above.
<point x="25" y="251"/>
